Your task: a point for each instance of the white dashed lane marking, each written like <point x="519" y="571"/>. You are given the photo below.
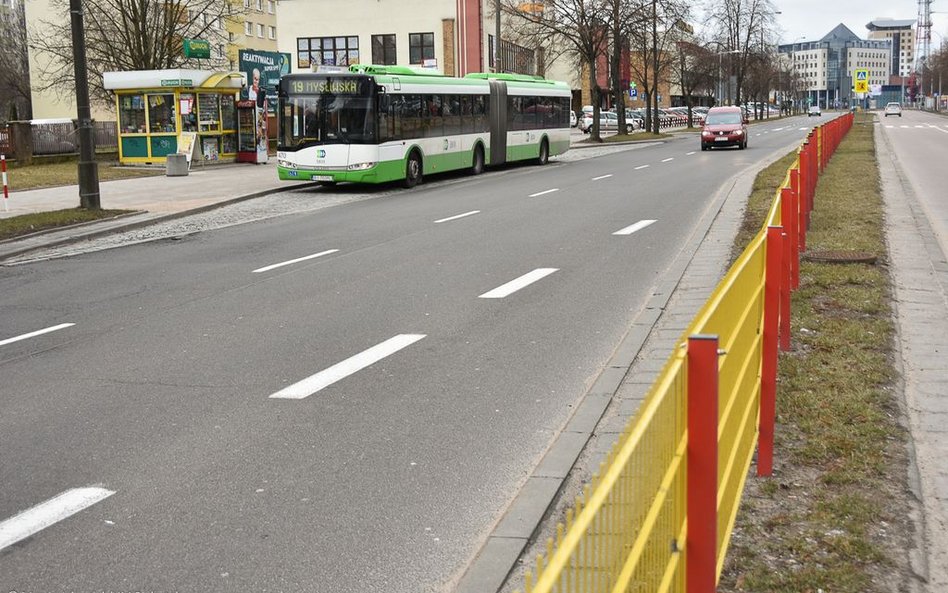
<point x="668" y="159"/>
<point x="521" y="282"/>
<point x="341" y="370"/>
<point x="48" y="513"/>
<point x="471" y="213"/>
<point x="687" y="153"/>
<point x="634" y="227"/>
<point x="642" y="167"/>
<point x="543" y="193"/>
<point x="601" y="176"/>
<point x="38" y="332"/>
<point x="294" y="261"/>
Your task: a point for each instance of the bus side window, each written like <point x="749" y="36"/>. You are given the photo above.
<point x="452" y="115"/>
<point x="467" y="116"/>
<point x="386" y="130"/>
<point x="480" y="108"/>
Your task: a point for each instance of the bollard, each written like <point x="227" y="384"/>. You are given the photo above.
<point x="6" y="190"/>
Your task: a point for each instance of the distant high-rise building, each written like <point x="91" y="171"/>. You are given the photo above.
<point x="902" y="35"/>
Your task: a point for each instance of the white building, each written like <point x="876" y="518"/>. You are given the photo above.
<point x="454" y="37"/>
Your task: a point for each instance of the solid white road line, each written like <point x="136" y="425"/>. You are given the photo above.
<point x="549" y="191"/>
<point x="48" y="513"/>
<point x="634" y="227"/>
<point x="521" y="282"/>
<point x="602" y="177"/>
<point x="341" y="370"/>
<point x="294" y="261"/>
<point x="663" y="160"/>
<point x="472" y="212"/>
<point x="687" y="153"/>
<point x="641" y="167"/>
<point x="36" y="333"/>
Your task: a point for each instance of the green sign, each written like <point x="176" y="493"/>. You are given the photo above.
<point x="177" y="82"/>
<point x="197" y="48"/>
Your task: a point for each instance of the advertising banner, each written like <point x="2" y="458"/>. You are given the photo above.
<point x="263" y="70"/>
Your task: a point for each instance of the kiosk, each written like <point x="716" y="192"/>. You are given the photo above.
<point x="155" y="107"/>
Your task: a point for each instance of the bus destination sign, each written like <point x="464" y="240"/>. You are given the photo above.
<point x="318" y="87"/>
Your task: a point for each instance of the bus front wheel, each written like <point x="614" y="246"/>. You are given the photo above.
<point x="413" y="171"/>
<point x="544" y="157"/>
<point x="477" y="166"/>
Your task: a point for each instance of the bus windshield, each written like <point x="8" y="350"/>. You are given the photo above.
<point x="309" y="120"/>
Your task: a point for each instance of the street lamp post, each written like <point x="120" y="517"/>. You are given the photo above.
<point x="720" y="76"/>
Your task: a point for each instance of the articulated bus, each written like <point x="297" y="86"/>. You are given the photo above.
<point x="375" y="124"/>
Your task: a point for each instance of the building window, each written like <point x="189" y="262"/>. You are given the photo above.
<point x="327" y="51"/>
<point x="271" y="6"/>
<point x="246" y="3"/>
<point x="260" y="5"/>
<point x="259" y="30"/>
<point x="248" y="28"/>
<point x="383" y="50"/>
<point x="420" y="47"/>
<point x="272" y="33"/>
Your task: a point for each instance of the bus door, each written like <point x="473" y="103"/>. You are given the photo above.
<point x="498" y="122"/>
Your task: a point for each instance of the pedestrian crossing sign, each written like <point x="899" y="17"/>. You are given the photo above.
<point x="861" y="76"/>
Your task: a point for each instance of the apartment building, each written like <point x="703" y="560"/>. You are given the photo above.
<point x="253" y="25"/>
<point x="15" y="100"/>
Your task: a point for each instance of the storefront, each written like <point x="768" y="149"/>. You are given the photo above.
<point x="156" y="107"/>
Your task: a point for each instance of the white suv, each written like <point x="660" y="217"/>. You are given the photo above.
<point x="814" y="110"/>
<point x="893" y="108"/>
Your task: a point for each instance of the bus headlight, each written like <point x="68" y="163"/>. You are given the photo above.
<point x="286" y="164"/>
<point x="361" y="166"/>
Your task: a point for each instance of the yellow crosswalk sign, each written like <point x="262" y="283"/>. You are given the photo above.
<point x="861" y="77"/>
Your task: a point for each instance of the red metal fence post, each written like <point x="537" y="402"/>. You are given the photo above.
<point x="789" y="219"/>
<point x="768" y="380"/>
<point x="702" y="541"/>
<point x="786" y="280"/>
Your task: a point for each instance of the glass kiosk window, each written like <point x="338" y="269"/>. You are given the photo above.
<point x="161" y="114"/>
<point x="132" y="114"/>
<point x="188" y="110"/>
<point x="209" y="112"/>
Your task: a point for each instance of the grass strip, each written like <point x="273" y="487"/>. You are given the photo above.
<point x="835" y="515"/>
<point x="17" y="226"/>
<point x="24" y="177"/>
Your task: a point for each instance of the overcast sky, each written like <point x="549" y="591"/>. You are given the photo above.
<point x="812" y="19"/>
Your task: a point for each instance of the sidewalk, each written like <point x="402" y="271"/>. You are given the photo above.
<point x="154" y="198"/>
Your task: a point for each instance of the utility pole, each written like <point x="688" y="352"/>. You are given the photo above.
<point x="88" y="169"/>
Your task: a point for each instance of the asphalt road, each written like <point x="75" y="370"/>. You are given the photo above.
<point x="386" y="475"/>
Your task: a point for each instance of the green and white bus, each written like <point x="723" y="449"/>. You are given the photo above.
<point x="374" y="124"/>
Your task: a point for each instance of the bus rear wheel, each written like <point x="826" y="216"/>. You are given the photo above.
<point x="413" y="171"/>
<point x="477" y="165"/>
<point x="544" y="157"/>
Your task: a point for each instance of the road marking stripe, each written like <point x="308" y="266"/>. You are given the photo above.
<point x="294" y="261"/>
<point x="549" y="191"/>
<point x="36" y="333"/>
<point x="687" y="153"/>
<point x="664" y="160"/>
<point x="797" y="128"/>
<point x="602" y="177"/>
<point x="521" y="282"/>
<point x="757" y="134"/>
<point x="634" y="227"/>
<point x="775" y="129"/>
<point x="915" y="126"/>
<point x="942" y="131"/>
<point x="472" y="212"/>
<point x="341" y="370"/>
<point x="899" y="126"/>
<point x="48" y="513"/>
<point x="890" y="126"/>
<point x="641" y="167"/>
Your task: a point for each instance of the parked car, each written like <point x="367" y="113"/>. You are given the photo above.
<point x="814" y="110"/>
<point x="893" y="108"/>
<point x="608" y="121"/>
<point x="573" y="120"/>
<point x="724" y="126"/>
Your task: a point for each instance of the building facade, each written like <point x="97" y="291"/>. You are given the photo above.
<point x="825" y="67"/>
<point x="15" y="100"/>
<point x="252" y="25"/>
<point x="902" y="35"/>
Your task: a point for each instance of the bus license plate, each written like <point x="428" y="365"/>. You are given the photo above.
<point x="322" y="177"/>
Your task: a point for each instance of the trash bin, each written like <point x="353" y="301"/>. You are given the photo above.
<point x="176" y="165"/>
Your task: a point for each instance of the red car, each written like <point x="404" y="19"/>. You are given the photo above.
<point x="724" y="126"/>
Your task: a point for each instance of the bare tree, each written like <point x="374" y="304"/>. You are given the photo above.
<point x="694" y="73"/>
<point x="131" y="35"/>
<point x="15" y="95"/>
<point x="652" y="36"/>
<point x="739" y="24"/>
<point x="581" y="26"/>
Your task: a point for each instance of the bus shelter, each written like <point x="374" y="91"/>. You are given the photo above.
<point x="160" y="110"/>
